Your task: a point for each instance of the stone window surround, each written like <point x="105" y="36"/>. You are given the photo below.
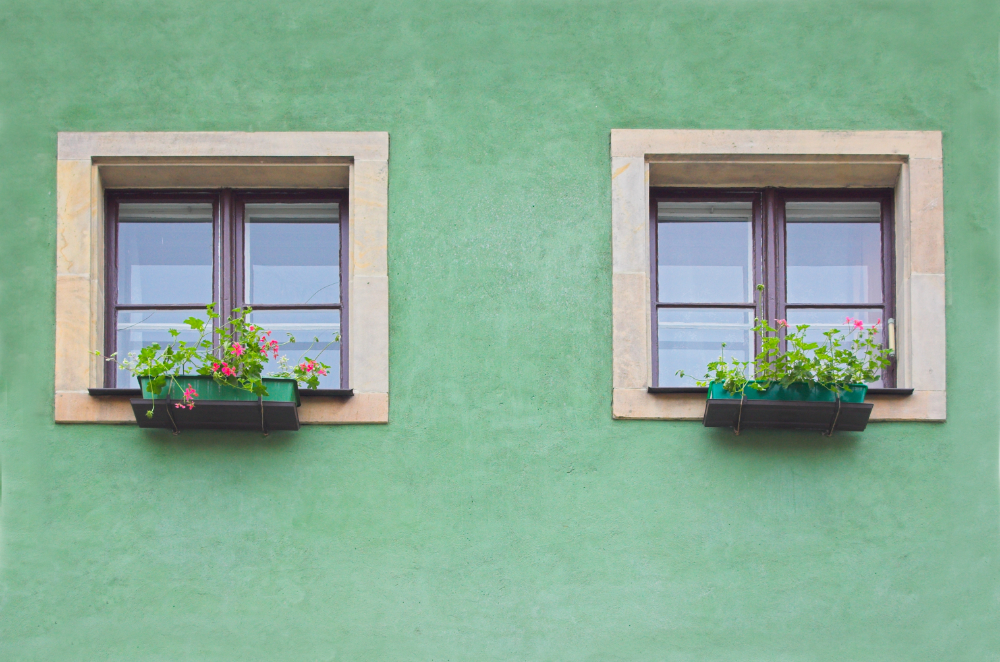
<point x="88" y="163"/>
<point x="909" y="162"/>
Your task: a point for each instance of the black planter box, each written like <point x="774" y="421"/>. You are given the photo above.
<point x="826" y="417"/>
<point x="217" y="415"/>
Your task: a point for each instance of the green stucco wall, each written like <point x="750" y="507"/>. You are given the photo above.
<point x="502" y="514"/>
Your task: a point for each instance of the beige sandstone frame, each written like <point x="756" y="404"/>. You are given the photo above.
<point x="88" y="163"/>
<point x="907" y="161"/>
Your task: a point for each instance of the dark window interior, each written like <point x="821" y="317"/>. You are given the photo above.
<point x="172" y="253"/>
<point x="821" y="255"/>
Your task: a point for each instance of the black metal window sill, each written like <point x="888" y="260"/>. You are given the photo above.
<point x="897" y="392"/>
<point x="305" y="393"/>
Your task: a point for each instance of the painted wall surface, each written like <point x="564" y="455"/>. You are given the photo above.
<point x="502" y="514"/>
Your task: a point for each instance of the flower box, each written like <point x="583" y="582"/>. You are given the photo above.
<point x="798" y="406"/>
<point x="795" y="392"/>
<point x="219" y="406"/>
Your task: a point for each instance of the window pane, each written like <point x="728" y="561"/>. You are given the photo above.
<point x="705" y="252"/>
<point x="305" y="326"/>
<point x="164" y="253"/>
<point x="689" y="338"/>
<point x="141" y="328"/>
<point x="292" y="253"/>
<point x="833" y="252"/>
<point x="823" y="320"/>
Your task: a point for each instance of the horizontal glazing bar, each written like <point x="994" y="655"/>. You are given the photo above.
<point x="272" y="306"/>
<point x="165" y="306"/>
<point x="699" y="325"/>
<point x="731" y="306"/>
<point x="834" y="306"/>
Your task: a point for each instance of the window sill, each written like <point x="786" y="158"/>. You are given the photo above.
<point x="895" y="392"/>
<point x="111" y="406"/>
<point x="110" y="392"/>
<point x="688" y="404"/>
<point x="309" y="393"/>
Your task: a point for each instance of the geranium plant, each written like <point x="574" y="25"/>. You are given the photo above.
<point x="842" y="359"/>
<point x="237" y="358"/>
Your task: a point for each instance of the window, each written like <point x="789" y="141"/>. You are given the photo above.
<point x="821" y="256"/>
<point x="903" y="169"/>
<point x="171" y="254"/>
<point x="254" y="166"/>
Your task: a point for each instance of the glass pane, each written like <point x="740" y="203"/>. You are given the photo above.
<point x="164" y="253"/>
<point x="305" y="326"/>
<point x="823" y="320"/>
<point x="689" y="338"/>
<point x="141" y="328"/>
<point x="705" y="252"/>
<point x="833" y="252"/>
<point x="292" y="253"/>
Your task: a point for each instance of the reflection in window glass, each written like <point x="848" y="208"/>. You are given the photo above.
<point x="690" y="338"/>
<point x="705" y="252"/>
<point x="292" y="253"/>
<point x="306" y="326"/>
<point x="164" y="253"/>
<point x="820" y="321"/>
<point x="141" y="328"/>
<point x="833" y="252"/>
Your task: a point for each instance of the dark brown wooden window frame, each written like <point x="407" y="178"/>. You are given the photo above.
<point x="768" y="217"/>
<point x="227" y="263"/>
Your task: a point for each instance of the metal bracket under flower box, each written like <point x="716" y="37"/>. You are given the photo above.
<point x="827" y="417"/>
<point x="217" y="415"/>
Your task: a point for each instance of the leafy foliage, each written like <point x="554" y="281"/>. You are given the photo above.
<point x="855" y="357"/>
<point x="236" y="358"/>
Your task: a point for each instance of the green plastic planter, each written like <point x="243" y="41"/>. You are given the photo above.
<point x="794" y="392"/>
<point x="278" y="390"/>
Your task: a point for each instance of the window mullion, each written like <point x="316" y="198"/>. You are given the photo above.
<point x="227" y="254"/>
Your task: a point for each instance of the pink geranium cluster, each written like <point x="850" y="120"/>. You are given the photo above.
<point x="268" y="345"/>
<point x="223" y="368"/>
<point x="858" y="324"/>
<point x="189" y="395"/>
<point x="313" y="366"/>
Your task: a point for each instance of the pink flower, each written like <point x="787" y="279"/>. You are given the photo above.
<point x="321" y="371"/>
<point x="189" y="393"/>
<point x="215" y="367"/>
<point x="858" y="324"/>
<point x="848" y="321"/>
<point x="252" y="328"/>
<point x="237" y="349"/>
<point x="781" y="322"/>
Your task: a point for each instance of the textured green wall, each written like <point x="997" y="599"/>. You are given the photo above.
<point x="502" y="514"/>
